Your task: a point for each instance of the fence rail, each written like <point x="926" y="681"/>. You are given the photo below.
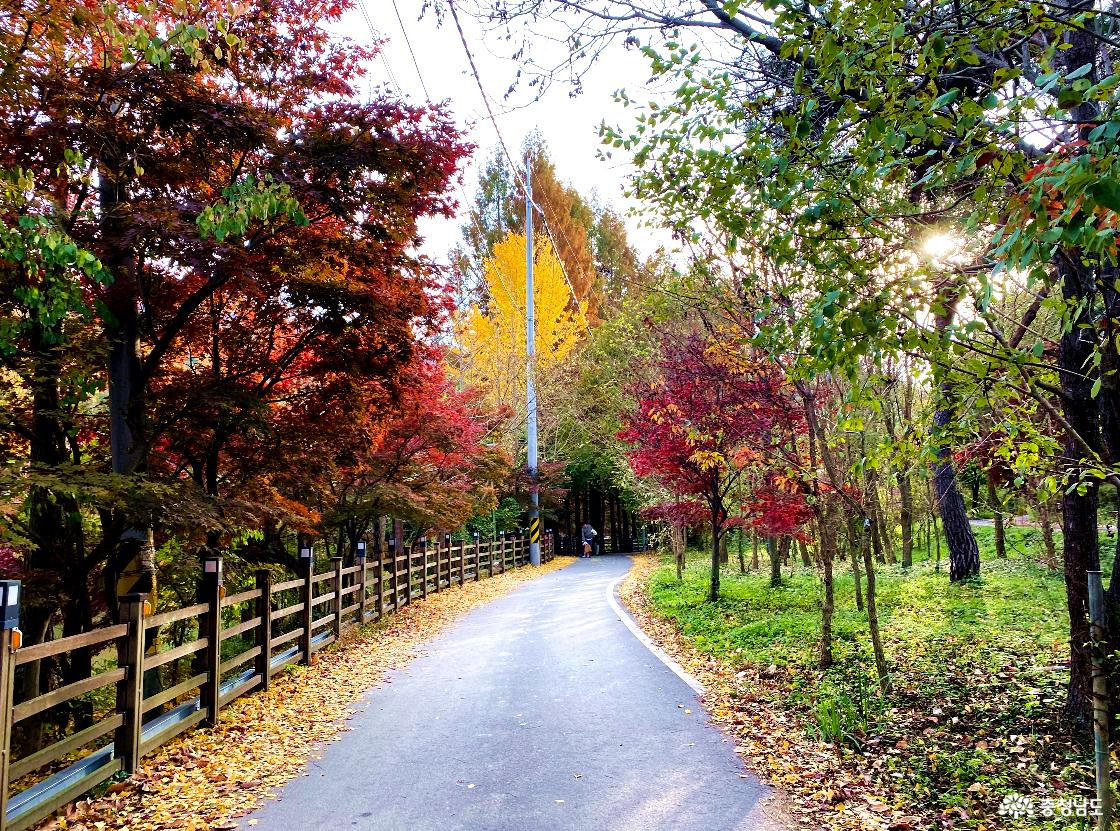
<point x="315" y="608"/>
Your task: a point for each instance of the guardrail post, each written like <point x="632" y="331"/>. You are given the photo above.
<point x="10" y="639"/>
<point x="210" y="627"/>
<point x="264" y="631"/>
<point x="130" y="691"/>
<point x="336" y="602"/>
<point x="307" y="567"/>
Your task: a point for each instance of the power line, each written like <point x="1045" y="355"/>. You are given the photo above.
<point x="408" y="43"/>
<point x="509" y="157"/>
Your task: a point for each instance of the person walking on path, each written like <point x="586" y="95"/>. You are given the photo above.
<point x="589" y="534"/>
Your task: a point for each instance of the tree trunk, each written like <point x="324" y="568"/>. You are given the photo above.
<point x="775" y="561"/>
<point x="827" y="537"/>
<point x="997" y="517"/>
<point x="876" y="537"/>
<point x="873" y="618"/>
<point x="1080" y="546"/>
<point x="853" y="548"/>
<point x="742" y="559"/>
<point x="1046" y="523"/>
<point x="754" y="551"/>
<point x="964" y="554"/>
<point x="717" y="522"/>
<point x="906" y="518"/>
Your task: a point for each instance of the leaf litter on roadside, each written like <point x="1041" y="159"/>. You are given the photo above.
<point x="207" y="779"/>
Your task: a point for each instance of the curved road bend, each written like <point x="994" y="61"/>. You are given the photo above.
<point x="538" y="712"/>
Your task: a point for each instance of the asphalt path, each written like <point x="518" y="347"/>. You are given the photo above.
<point x="541" y="711"/>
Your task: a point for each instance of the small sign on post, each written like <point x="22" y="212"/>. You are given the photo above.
<point x="307" y="569"/>
<point x="10" y="641"/>
<point x="360" y="557"/>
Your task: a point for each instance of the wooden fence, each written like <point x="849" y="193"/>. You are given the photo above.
<point x="265" y="628"/>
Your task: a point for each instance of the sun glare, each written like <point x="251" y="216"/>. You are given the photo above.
<point x="942" y="244"/>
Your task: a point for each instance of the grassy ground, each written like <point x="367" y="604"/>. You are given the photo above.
<point x="978" y="674"/>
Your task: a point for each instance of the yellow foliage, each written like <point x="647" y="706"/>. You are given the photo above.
<point x="492" y="339"/>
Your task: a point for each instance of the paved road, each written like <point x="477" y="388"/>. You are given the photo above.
<point x="538" y="712"/>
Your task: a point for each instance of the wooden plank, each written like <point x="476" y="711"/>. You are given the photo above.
<point x="315" y="624"/>
<point x="175" y="615"/>
<point x="351" y="570"/>
<point x="238" y="660"/>
<point x="319" y="578"/>
<point x="63" y="694"/>
<point x="244" y="626"/>
<point x="60" y="748"/>
<point x="352" y="608"/>
<point x="287" y="638"/>
<point x="321" y="599"/>
<point x="92" y="638"/>
<point x="351" y="589"/>
<point x="240" y="689"/>
<point x="170" y="655"/>
<point x="241" y="597"/>
<point x="171" y="694"/>
<point x="287" y="584"/>
<point x="66" y="796"/>
<point x="288" y="610"/>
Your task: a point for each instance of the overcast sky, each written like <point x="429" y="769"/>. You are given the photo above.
<point x="570" y="125"/>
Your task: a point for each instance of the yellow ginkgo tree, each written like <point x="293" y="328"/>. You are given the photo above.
<point x="491" y="336"/>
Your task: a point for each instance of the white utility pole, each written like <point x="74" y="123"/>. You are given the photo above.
<point x="530" y="353"/>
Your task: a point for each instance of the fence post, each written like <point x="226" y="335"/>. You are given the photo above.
<point x="381" y="581"/>
<point x="336" y="601"/>
<point x="424" y="571"/>
<point x="477" y="559"/>
<point x="462" y="562"/>
<point x="447" y="545"/>
<point x="130" y="691"/>
<point x="210" y="627"/>
<point x="264" y="631"/>
<point x="394" y="580"/>
<point x="360" y="560"/>
<point x="409" y="559"/>
<point x="307" y="565"/>
<point x="10" y="638"/>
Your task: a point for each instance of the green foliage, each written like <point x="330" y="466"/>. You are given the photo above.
<point x="250" y="199"/>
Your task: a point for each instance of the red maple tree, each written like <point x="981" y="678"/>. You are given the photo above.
<point x="713" y="414"/>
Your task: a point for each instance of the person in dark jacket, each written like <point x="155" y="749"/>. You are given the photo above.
<point x="588" y="535"/>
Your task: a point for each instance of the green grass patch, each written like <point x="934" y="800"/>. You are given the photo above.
<point x="978" y="670"/>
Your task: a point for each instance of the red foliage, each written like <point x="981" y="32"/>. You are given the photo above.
<point x="713" y="416"/>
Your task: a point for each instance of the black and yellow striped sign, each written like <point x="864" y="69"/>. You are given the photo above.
<point x="535" y="529"/>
